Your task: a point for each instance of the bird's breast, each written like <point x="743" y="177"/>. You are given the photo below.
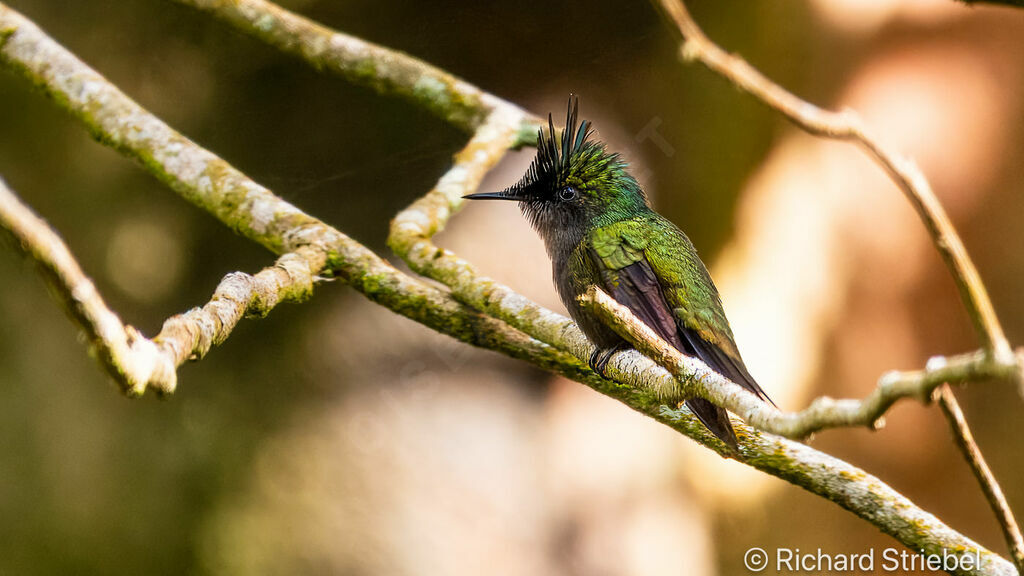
<point x="574" y="272"/>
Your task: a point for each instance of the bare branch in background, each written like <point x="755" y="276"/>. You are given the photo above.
<point x="1015" y="3"/>
<point x="993" y="492"/>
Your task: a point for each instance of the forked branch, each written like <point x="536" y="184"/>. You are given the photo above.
<point x="134" y="361"/>
<point x="694" y="378"/>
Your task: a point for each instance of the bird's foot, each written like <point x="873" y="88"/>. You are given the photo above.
<point x="599" y="359"/>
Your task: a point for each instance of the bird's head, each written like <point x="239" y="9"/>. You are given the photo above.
<point x="574" y="182"/>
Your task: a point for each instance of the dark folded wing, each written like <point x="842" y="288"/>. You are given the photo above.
<point x="723" y="363"/>
<point x="636" y="287"/>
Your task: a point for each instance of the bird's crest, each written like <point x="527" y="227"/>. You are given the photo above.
<point x="572" y="173"/>
<point x="553" y="158"/>
<point x="553" y="163"/>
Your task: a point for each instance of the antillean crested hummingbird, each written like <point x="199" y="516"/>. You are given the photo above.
<point x="599" y="230"/>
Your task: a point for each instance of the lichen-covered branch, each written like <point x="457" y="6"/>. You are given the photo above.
<point x="361" y="62"/>
<point x="866" y="496"/>
<point x="117" y="121"/>
<point x="190" y="336"/>
<point x="253" y="211"/>
<point x="694" y="378"/>
<point x="131" y="359"/>
<point x="134" y="361"/>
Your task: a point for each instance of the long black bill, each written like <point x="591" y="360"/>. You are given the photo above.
<point x="504" y="195"/>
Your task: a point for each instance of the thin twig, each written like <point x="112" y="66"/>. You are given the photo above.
<point x="190" y="336"/>
<point x="847" y="125"/>
<point x="976" y="460"/>
<point x="994" y="494"/>
<point x="1013" y="3"/>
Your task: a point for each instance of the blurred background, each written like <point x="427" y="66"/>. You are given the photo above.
<point x="337" y="438"/>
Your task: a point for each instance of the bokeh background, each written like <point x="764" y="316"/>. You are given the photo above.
<point x="336" y="438"/>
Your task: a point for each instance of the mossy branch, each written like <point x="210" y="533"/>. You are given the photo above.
<point x="385" y="70"/>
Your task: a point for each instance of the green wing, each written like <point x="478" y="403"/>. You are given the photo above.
<point x="619" y="253"/>
<point x="651" y="267"/>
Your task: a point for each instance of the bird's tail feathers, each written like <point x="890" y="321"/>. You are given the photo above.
<point x="715" y="419"/>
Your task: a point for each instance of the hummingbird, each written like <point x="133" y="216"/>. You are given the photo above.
<point x="600" y="230"/>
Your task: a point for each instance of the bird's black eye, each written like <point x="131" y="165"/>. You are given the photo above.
<point x="567" y="193"/>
